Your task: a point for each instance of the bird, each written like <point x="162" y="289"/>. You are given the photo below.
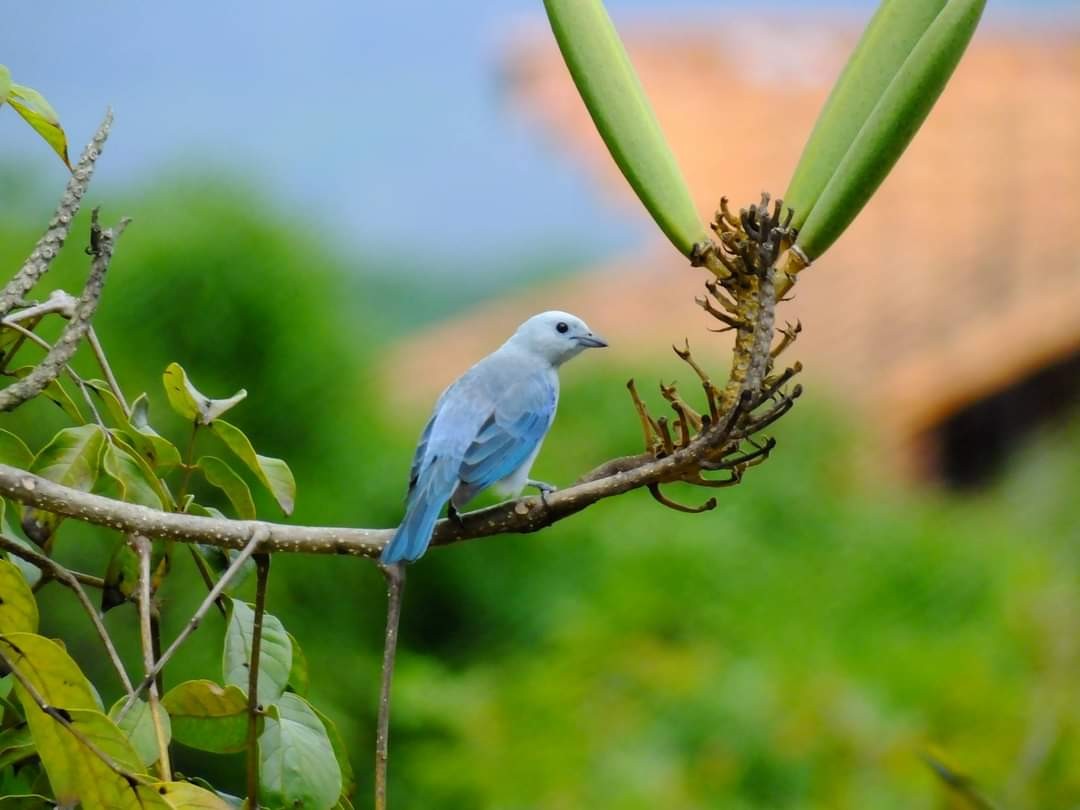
<point x="487" y="427"/>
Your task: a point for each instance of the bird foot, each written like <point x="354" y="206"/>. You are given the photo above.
<point x="545" y="489"/>
<point x="455" y="515"/>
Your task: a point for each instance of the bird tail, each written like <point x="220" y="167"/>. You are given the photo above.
<point x="411" y="539"/>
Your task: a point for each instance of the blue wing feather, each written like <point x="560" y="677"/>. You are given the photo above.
<point x="481" y="431"/>
<point x="509" y="436"/>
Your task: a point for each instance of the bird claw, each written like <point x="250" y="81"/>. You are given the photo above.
<point x="455" y="515"/>
<point x="545" y="489"/>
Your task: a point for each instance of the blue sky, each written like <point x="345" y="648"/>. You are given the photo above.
<point x="345" y="112"/>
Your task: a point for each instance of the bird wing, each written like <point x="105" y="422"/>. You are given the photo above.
<point x="520" y="418"/>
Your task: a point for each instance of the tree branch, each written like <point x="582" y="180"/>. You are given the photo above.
<point x="50" y="243"/>
<point x="523" y="515"/>
<point x="102" y="243"/>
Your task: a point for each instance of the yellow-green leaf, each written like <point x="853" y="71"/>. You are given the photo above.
<point x="5" y="84"/>
<point x="297" y="767"/>
<point x="189" y="402"/>
<point x="18" y="608"/>
<point x="138" y="727"/>
<point x="273" y="473"/>
<point x="158" y="451"/>
<point x="208" y="716"/>
<point x="610" y="88"/>
<point x="275" y="656"/>
<point x="76" y="772"/>
<point x="891" y="125"/>
<point x="59" y="682"/>
<point x="186" y="796"/>
<point x="40" y="115"/>
<point x="225" y="478"/>
<point x="887" y="41"/>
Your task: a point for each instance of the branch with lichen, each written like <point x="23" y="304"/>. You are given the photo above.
<point x="102" y="243"/>
<point x="49" y="245"/>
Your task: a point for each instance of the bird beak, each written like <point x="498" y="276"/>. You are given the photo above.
<point x="591" y="341"/>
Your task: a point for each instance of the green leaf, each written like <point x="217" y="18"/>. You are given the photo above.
<point x="273" y="473"/>
<point x="275" y="657"/>
<point x="341" y="753"/>
<point x="138" y="727"/>
<point x="225" y="478"/>
<point x="40" y="115"/>
<point x="610" y="88"/>
<point x="887" y="41"/>
<point x="186" y="796"/>
<point x="72" y="458"/>
<point x="158" y="451"/>
<point x="121" y="577"/>
<point x="14" y="452"/>
<point x="16" y="744"/>
<point x="5" y="84"/>
<point x="135" y="483"/>
<point x="299" y="678"/>
<point x="890" y="126"/>
<point x="57" y="394"/>
<point x="297" y="767"/>
<point x="207" y="716"/>
<point x="190" y="403"/>
<point x="18" y="609"/>
<point x="150" y="446"/>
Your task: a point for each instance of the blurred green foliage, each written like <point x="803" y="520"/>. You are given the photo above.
<point x="799" y="647"/>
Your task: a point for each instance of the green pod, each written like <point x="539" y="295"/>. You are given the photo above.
<point x="891" y="126"/>
<point x="610" y="88"/>
<point x="888" y="39"/>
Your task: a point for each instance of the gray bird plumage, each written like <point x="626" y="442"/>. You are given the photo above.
<point x="488" y="425"/>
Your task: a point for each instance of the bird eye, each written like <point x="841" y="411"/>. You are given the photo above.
<point x="562" y="327"/>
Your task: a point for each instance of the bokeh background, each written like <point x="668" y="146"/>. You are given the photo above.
<point x="341" y="206"/>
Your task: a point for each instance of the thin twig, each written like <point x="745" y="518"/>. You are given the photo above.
<point x="72" y="580"/>
<point x="262" y="574"/>
<point x="207" y="577"/>
<point x="395" y="589"/>
<point x="142" y="547"/>
<point x="257" y="536"/>
<point x="106" y="369"/>
<point x="62" y="717"/>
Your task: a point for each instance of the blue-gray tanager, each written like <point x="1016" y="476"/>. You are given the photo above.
<point x="487" y="427"/>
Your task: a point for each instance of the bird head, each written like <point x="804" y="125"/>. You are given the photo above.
<point x="556" y="336"/>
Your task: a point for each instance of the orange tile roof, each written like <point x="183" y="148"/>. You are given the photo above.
<point x="961" y="275"/>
